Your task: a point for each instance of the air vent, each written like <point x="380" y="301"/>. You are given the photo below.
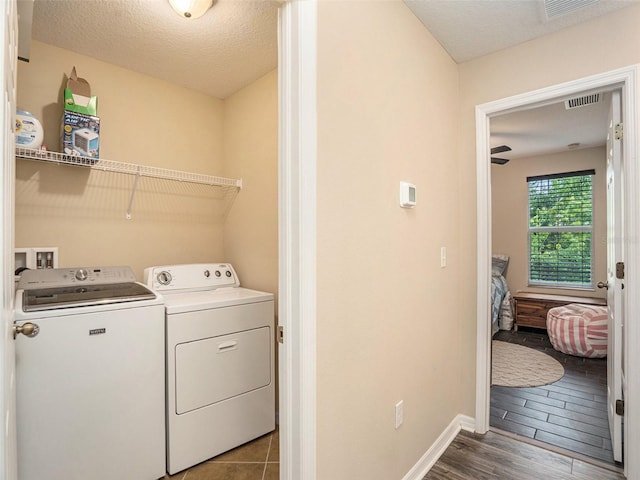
<point x="557" y="8"/>
<point x="582" y="101"/>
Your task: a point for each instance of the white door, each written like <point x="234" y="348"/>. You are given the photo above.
<point x="8" y="25"/>
<point x="615" y="254"/>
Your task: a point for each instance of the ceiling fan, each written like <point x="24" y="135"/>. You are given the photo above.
<point x="500" y="149"/>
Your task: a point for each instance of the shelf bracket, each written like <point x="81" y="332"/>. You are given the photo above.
<point x="133" y="193"/>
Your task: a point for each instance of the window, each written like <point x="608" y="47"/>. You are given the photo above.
<point x="561" y="229"/>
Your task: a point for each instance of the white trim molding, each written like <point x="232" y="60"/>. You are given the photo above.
<point x="483" y="212"/>
<point x="297" y="238"/>
<point x="428" y="460"/>
<point x="468" y="424"/>
<point x="8" y="72"/>
<point x="626" y="80"/>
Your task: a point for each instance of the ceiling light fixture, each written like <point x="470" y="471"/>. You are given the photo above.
<point x="191" y="8"/>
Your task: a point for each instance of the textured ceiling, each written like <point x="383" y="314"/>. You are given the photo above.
<point x="232" y="45"/>
<point x="468" y="29"/>
<point x="550" y="129"/>
<point x="235" y="43"/>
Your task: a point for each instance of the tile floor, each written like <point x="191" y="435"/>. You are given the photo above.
<point x="256" y="460"/>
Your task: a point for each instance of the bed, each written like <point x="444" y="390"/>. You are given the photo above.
<point x="501" y="311"/>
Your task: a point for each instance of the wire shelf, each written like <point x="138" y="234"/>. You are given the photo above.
<point x="126" y="168"/>
<point x="228" y="186"/>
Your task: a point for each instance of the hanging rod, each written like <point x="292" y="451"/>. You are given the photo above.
<point x="127" y="168"/>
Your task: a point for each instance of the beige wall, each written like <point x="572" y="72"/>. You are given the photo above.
<point x="387" y="313"/>
<point x="510" y="201"/>
<point x="151" y="122"/>
<point x="145" y="121"/>
<point x="251" y="152"/>
<point x="596" y="46"/>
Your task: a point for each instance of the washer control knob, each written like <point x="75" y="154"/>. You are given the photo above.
<point x="228" y="273"/>
<point x="164" y="278"/>
<point x="81" y="274"/>
<point x="207" y="273"/>
<point x="218" y="274"/>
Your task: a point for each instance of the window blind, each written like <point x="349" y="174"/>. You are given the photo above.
<point x="561" y="229"/>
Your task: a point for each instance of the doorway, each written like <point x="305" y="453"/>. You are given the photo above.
<point x="623" y="79"/>
<point x="557" y="151"/>
<point x="8" y="236"/>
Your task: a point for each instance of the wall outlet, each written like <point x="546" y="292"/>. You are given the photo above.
<point x="399" y="413"/>
<point x="443" y="257"/>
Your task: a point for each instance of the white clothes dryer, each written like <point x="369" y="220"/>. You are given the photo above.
<point x="220" y="361"/>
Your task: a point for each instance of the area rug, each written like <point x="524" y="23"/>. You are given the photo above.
<point x="517" y="366"/>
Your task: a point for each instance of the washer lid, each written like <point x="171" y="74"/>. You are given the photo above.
<point x="83" y="295"/>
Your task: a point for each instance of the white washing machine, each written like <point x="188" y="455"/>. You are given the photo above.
<point x="89" y="376"/>
<point x="220" y="361"/>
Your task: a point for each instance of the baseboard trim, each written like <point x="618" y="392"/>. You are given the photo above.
<point x="420" y="469"/>
<point x="467" y="423"/>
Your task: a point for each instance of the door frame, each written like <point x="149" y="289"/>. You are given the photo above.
<point x="8" y="72"/>
<point x="615" y="252"/>
<point x="625" y="79"/>
<point x="297" y="152"/>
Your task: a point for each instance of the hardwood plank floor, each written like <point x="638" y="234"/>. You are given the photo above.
<point x="498" y="457"/>
<point x="569" y="414"/>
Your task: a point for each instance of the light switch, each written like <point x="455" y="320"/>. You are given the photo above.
<point x="407" y="195"/>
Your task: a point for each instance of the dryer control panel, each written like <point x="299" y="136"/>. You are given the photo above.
<point x="192" y="277"/>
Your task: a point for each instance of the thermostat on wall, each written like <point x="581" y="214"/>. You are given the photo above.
<point x="407" y="195"/>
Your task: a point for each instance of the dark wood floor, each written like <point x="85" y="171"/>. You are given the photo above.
<point x="497" y="457"/>
<point x="569" y="414"/>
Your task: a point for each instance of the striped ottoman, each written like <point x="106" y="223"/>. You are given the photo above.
<point x="579" y="330"/>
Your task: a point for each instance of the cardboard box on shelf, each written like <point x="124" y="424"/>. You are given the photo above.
<point x="80" y="123"/>
<point x="81" y="135"/>
<point x="80" y="103"/>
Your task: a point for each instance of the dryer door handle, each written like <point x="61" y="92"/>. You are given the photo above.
<point x="227" y="346"/>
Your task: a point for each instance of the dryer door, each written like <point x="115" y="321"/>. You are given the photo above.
<point x="215" y="369"/>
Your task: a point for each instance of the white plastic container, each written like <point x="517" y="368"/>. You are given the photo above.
<point x="29" y="132"/>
